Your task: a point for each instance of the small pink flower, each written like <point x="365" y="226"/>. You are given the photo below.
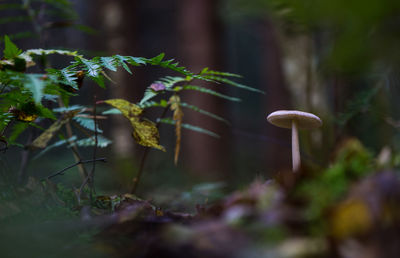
<point x="157" y="86"/>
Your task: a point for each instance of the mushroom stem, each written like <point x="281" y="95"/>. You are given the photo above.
<point x="295" y="147"/>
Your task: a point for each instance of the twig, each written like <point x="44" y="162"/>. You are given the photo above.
<point x="74" y="149"/>
<point x="73" y="165"/>
<point x="144" y="157"/>
<point x="91" y="175"/>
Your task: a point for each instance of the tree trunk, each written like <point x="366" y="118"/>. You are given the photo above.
<point x="277" y="97"/>
<point x="119" y="25"/>
<point x="200" y="47"/>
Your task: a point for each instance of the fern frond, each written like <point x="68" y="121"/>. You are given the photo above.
<point x="204" y="112"/>
<point x="36" y="86"/>
<point x="209" y="91"/>
<point x="93" y="68"/>
<point x="170" y="64"/>
<point x="102" y="142"/>
<point x="70" y="108"/>
<point x="206" y="71"/>
<point x="112" y="111"/>
<point x="149" y="104"/>
<point x="232" y="83"/>
<point x="5" y="118"/>
<point x="109" y="62"/>
<point x="189" y="127"/>
<point x="121" y="60"/>
<point x="167" y="81"/>
<point x="54" y="145"/>
<point x="87" y="123"/>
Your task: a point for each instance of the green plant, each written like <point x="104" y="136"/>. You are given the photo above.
<point x="26" y="97"/>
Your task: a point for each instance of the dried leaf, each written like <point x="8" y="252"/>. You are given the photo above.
<point x="42" y="141"/>
<point x="145" y="132"/>
<point x="177" y="117"/>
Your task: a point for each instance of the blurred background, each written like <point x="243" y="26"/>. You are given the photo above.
<point x="334" y="58"/>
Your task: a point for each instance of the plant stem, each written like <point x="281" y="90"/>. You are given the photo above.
<point x="295" y="148"/>
<point x="61" y="172"/>
<point x="91" y="175"/>
<point x="144" y="157"/>
<point x="75" y="150"/>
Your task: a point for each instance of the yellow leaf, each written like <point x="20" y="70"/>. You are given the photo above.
<point x="145" y="132"/>
<point x="43" y="139"/>
<point x="177" y="116"/>
<point x="128" y="109"/>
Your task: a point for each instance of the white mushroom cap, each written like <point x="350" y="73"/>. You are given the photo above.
<point x="304" y="120"/>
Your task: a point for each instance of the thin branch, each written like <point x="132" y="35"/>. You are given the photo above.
<point x="74" y="148"/>
<point x="92" y="190"/>
<point x="61" y="172"/>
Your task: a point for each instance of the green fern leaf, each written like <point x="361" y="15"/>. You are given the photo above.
<point x="112" y="111"/>
<point x="149" y="104"/>
<point x="36" y="86"/>
<point x="92" y="68"/>
<point x="10" y="49"/>
<point x="109" y="63"/>
<point x="5" y="118"/>
<point x="232" y="83"/>
<point x="54" y="145"/>
<point x="87" y="123"/>
<point x="209" y="91"/>
<point x="135" y="61"/>
<point x="204" y="112"/>
<point x="67" y="109"/>
<point x="170" y="121"/>
<point x="167" y="64"/>
<point x="102" y="142"/>
<point x="121" y="61"/>
<point x="168" y="82"/>
<point x="206" y="71"/>
<point x="66" y="76"/>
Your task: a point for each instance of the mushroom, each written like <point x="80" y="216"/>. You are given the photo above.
<point x="295" y="120"/>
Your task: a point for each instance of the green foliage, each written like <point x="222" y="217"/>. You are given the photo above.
<point x="25" y="97"/>
<point x="10" y="49"/>
<point x="352" y="162"/>
<point x="190" y="127"/>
